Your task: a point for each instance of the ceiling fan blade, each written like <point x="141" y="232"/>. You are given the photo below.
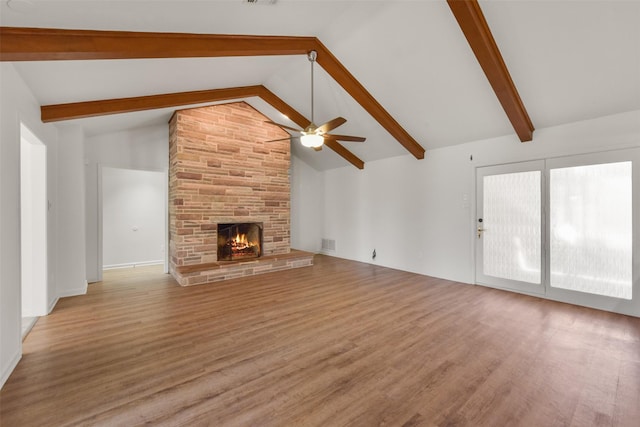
<point x="281" y="139"/>
<point x="331" y="124"/>
<point x="282" y="126"/>
<point x="345" y="138"/>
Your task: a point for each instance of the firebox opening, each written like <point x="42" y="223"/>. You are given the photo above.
<point x="239" y="241"/>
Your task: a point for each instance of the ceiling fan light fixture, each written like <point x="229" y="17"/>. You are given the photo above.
<point x="313" y="136"/>
<point x="312" y="140"/>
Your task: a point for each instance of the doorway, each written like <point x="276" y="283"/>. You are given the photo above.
<point x="133" y="222"/>
<point x="33" y="228"/>
<point x="509" y="226"/>
<point x="563" y="228"/>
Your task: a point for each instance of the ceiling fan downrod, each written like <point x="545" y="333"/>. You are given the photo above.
<point x="312" y="58"/>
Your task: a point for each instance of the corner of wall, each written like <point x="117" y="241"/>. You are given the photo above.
<point x="13" y="362"/>
<point x="52" y="304"/>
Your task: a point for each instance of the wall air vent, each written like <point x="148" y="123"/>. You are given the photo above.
<point x="260" y="1"/>
<point x="328" y="245"/>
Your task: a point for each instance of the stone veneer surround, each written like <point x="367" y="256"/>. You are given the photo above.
<point x="222" y="171"/>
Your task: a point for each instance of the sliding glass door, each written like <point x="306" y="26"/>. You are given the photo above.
<point x="583" y="246"/>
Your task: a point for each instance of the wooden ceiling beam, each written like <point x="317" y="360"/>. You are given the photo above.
<point x="344" y="153"/>
<point x="45" y="44"/>
<point x="478" y="34"/>
<point x="39" y="44"/>
<point x="353" y="87"/>
<point x="78" y="110"/>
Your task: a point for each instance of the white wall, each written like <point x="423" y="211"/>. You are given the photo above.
<point x="411" y="212"/>
<point x="141" y="149"/>
<point x="414" y="213"/>
<point x="133" y="217"/>
<point x="17" y="105"/>
<point x="71" y="213"/>
<point x="307" y="197"/>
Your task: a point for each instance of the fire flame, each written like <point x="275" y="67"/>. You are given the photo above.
<point x="240" y="241"/>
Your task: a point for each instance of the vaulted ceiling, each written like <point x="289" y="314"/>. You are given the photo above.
<point x="570" y="61"/>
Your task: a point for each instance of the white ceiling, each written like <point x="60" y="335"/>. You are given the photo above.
<point x="570" y="60"/>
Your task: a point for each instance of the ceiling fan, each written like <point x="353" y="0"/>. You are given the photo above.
<point x="313" y="136"/>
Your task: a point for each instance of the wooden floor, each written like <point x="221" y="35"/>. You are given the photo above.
<point x="340" y="343"/>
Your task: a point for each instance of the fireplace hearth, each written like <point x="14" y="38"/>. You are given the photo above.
<point x="239" y="241"/>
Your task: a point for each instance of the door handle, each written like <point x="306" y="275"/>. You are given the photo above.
<point x="480" y="230"/>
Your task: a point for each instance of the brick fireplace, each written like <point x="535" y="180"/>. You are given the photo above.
<point x="223" y="172"/>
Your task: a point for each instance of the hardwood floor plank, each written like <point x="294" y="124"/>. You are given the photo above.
<point x="339" y="343"/>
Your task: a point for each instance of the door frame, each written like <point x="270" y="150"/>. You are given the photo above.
<point x="165" y="173"/>
<point x="34" y="225"/>
<point x="498" y="282"/>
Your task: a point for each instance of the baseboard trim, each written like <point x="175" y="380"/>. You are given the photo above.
<point x="32" y="323"/>
<point x="132" y="264"/>
<point x="73" y="292"/>
<point x="6" y="372"/>
<point x="53" y="304"/>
